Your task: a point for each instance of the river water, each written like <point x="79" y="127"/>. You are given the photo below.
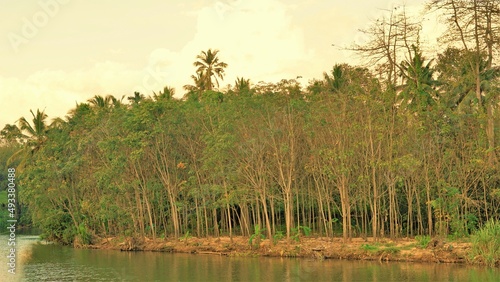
<point x="39" y="261"/>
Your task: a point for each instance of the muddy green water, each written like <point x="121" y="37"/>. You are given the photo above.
<point x="37" y="261"/>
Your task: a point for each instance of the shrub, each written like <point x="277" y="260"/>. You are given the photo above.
<point x="486" y="244"/>
<point x="278" y="236"/>
<point x="299" y="231"/>
<point x="84" y="235"/>
<point x="186" y="236"/>
<point x="257" y="235"/>
<point x="423" y="241"/>
<point x="391" y="250"/>
<point x="370" y="248"/>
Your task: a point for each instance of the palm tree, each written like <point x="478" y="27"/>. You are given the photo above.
<point x="208" y="66"/>
<point x="168" y="93"/>
<point x="195" y="90"/>
<point x="418" y="90"/>
<point x="137" y="98"/>
<point x="199" y="82"/>
<point x="58" y="123"/>
<point x="36" y="135"/>
<point x="337" y="80"/>
<point x="242" y="85"/>
<point x="103" y="102"/>
<point x="38" y="129"/>
<point x="11" y="134"/>
<point x="458" y="83"/>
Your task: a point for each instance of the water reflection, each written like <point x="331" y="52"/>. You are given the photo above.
<point x="43" y="262"/>
<point x="24" y="251"/>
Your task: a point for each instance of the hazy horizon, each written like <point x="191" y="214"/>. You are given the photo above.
<point x="57" y="53"/>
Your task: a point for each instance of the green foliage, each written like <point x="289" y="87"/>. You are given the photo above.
<point x="208" y="67"/>
<point x="391" y="250"/>
<point x="6" y="151"/>
<point x="186" y="236"/>
<point x="212" y="97"/>
<point x="379" y="250"/>
<point x="423" y="241"/>
<point x="300" y="231"/>
<point x="279" y="235"/>
<point x="486" y="244"/>
<point x="418" y="92"/>
<point x="344" y="152"/>
<point x="446" y="208"/>
<point x="83" y="235"/>
<point x="370" y="248"/>
<point x="4" y="213"/>
<point x="57" y="227"/>
<point x="258" y="234"/>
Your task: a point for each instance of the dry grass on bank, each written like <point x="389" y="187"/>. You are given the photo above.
<point x="408" y="250"/>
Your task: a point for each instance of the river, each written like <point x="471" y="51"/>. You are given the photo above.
<point x="39" y="261"/>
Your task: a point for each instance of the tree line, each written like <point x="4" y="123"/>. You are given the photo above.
<point x="406" y="147"/>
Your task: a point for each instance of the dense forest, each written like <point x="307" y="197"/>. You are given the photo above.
<point x="402" y="146"/>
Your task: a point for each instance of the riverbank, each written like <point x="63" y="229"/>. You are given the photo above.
<point x="403" y="250"/>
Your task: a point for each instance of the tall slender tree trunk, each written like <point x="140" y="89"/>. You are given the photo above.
<point x="198" y="217"/>
<point x="346" y="209"/>
<point x="266" y="216"/>
<point x="215" y="222"/>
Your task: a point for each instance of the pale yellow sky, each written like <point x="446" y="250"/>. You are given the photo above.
<point x="55" y="53"/>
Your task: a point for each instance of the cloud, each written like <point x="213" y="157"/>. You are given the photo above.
<point x="257" y="39"/>
<point x="57" y="91"/>
<point x="260" y="39"/>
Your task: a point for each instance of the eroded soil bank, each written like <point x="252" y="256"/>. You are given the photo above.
<point x="407" y="250"/>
